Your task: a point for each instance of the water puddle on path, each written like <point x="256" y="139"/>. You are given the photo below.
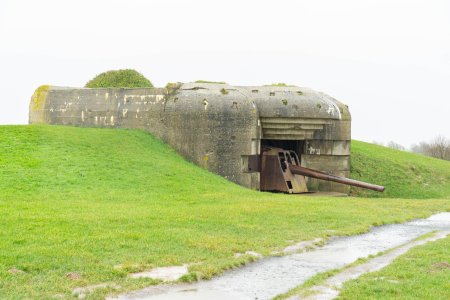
<point x="272" y="276"/>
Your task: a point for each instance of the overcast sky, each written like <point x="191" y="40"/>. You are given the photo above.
<point x="388" y="60"/>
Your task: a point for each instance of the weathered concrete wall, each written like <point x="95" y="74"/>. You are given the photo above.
<point x="212" y="130"/>
<point x="298" y="113"/>
<point x="214" y="125"/>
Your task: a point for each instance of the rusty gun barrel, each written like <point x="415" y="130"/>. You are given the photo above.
<point x="324" y="176"/>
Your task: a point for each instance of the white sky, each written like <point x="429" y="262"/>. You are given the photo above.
<point x="388" y="60"/>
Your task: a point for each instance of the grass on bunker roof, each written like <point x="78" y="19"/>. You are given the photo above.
<point x="102" y="203"/>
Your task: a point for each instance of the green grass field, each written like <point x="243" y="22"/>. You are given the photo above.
<point x="405" y="174"/>
<point x="102" y="203"/>
<point x="421" y="273"/>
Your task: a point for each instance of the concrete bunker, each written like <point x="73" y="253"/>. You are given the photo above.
<point x="220" y="127"/>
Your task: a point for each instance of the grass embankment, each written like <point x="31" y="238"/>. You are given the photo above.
<point x="101" y="203"/>
<point x="405" y="174"/>
<point x="421" y="273"/>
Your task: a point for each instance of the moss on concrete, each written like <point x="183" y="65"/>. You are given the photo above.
<point x="38" y="98"/>
<point x="37" y="105"/>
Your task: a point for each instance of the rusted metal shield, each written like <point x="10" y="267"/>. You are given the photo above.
<point x="276" y="174"/>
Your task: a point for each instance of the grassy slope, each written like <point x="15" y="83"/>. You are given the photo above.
<point x="421" y="273"/>
<point x="103" y="203"/>
<point x="405" y="175"/>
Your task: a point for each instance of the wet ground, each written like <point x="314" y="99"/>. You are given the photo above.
<point x="272" y="276"/>
<point x="330" y="288"/>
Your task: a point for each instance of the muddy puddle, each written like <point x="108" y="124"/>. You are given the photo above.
<point x="272" y="276"/>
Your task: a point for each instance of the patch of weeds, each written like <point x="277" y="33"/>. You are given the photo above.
<point x="126" y="78"/>
<point x="279" y="84"/>
<point x="190" y="277"/>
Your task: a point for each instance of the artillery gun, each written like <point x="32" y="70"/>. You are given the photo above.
<point x="281" y="171"/>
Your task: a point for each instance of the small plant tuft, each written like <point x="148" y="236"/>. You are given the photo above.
<point x="190" y="277"/>
<point x="126" y="78"/>
<point x="207" y="81"/>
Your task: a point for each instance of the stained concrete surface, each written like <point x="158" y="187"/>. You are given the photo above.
<point x="272" y="276"/>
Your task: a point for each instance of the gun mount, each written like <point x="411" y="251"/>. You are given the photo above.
<point x="281" y="171"/>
